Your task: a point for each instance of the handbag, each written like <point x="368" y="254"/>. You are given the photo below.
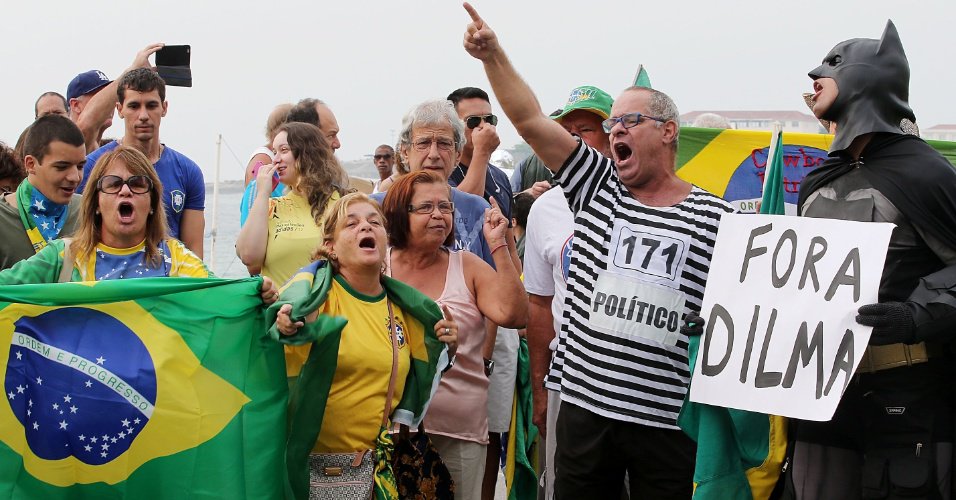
<point x="351" y="476"/>
<point x="419" y="470"/>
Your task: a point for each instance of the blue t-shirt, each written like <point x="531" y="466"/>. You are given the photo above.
<point x="183" y="185"/>
<point x="249" y="196"/>
<point x="497" y="184"/>
<point x="469" y="220"/>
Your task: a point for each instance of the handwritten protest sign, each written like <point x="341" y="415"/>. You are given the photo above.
<point x="780" y="304"/>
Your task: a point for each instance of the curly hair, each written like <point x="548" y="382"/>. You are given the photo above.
<point x="319" y="173"/>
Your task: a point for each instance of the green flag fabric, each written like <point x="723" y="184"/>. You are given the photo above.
<point x="641" y="79"/>
<point x="140" y="388"/>
<point x="772" y="200"/>
<point x="520" y="475"/>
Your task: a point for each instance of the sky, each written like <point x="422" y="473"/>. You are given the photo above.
<point x="373" y="60"/>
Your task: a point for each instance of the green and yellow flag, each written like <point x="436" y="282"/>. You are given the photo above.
<point x="732" y="163"/>
<point x="141" y="388"/>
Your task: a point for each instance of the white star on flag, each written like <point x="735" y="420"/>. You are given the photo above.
<point x="38" y="204"/>
<point x="45" y="225"/>
<point x="11" y="394"/>
<point x="67" y="398"/>
<point x="103" y="454"/>
<point x="39" y="381"/>
<point x="89" y="384"/>
<point x="100" y="360"/>
<point x="63" y="424"/>
<point x="56" y="406"/>
<point x="36" y="426"/>
<point x="73" y="409"/>
<point x="93" y="439"/>
<point x="20" y="389"/>
<point x="125" y="422"/>
<point x="19" y="355"/>
<point x="82" y="437"/>
<point x="88" y="448"/>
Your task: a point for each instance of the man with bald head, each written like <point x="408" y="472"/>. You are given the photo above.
<point x="318" y="113"/>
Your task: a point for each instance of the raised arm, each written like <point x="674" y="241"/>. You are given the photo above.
<point x="499" y="292"/>
<point x="254" y="236"/>
<point x="546" y="137"/>
<point x="102" y="105"/>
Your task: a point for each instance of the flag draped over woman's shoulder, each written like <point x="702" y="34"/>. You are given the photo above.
<point x="140" y="388"/>
<point x="306" y="291"/>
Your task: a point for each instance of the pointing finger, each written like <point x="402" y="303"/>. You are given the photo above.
<point x="474" y="15"/>
<point x="447" y="312"/>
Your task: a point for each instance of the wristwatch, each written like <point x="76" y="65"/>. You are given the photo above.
<point x="489" y="366"/>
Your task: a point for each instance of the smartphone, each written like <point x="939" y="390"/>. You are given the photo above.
<point x="172" y="64"/>
<point x="275" y="176"/>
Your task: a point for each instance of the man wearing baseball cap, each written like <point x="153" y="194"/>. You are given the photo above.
<point x="587" y="106"/>
<point x="548" y="240"/>
<point x="92" y="99"/>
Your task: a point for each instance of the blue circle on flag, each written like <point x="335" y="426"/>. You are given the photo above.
<point x="80" y="382"/>
<point x="747" y="181"/>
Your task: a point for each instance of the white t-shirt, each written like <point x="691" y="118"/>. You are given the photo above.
<point x="547" y="256"/>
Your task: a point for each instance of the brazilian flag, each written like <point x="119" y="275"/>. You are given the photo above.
<point x="733" y="163"/>
<point x="140" y="388"/>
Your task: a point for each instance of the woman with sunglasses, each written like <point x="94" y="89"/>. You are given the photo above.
<point x="122" y="233"/>
<point x="281" y="233"/>
<point x="419" y="212"/>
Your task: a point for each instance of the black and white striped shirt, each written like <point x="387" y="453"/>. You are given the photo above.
<point x="635" y="271"/>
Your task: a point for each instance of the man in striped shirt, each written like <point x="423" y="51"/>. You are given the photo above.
<point x="643" y="240"/>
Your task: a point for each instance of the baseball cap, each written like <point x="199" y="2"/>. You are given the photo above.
<point x="587" y="98"/>
<point x="87" y="82"/>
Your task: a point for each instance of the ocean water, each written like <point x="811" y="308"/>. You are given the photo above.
<point x="219" y="247"/>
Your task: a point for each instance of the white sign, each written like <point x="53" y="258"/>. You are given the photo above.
<point x="780" y="307"/>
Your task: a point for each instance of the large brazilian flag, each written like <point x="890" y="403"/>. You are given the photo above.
<point x="733" y="163"/>
<point x="140" y="388"/>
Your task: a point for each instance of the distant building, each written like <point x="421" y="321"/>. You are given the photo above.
<point x="792" y="121"/>
<point x="940" y="133"/>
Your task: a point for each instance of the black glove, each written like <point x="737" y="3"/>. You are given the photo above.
<point x="693" y="325"/>
<point x="892" y="323"/>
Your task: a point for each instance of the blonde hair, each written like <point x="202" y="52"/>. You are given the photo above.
<point x="335" y="218"/>
<point x="87" y="236"/>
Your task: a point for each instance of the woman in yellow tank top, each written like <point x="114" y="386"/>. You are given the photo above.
<point x="281" y="233"/>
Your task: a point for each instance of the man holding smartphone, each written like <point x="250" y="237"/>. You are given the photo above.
<point x="142" y="105"/>
<point x="91" y="98"/>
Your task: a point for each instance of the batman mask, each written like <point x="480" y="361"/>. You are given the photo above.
<point x="872" y="78"/>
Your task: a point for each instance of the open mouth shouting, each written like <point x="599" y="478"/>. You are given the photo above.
<point x="125" y="211"/>
<point x="817" y="89"/>
<point x="368" y="243"/>
<point x="622" y="151"/>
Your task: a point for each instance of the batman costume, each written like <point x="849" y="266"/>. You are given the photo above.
<point x="892" y="434"/>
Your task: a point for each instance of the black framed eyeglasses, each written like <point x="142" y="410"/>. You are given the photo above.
<point x="473" y="121"/>
<point x="627" y="121"/>
<point x="427" y="208"/>
<point x="112" y="184"/>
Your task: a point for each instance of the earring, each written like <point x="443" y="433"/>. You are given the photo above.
<point x="150" y="212"/>
<point x="332" y="256"/>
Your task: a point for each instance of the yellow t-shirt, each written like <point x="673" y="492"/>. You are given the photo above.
<point x="353" y="414"/>
<point x="293" y="236"/>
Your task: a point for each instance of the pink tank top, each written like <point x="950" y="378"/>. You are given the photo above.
<point x="459" y="408"/>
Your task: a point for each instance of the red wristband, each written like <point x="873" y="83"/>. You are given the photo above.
<point x="495" y="249"/>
